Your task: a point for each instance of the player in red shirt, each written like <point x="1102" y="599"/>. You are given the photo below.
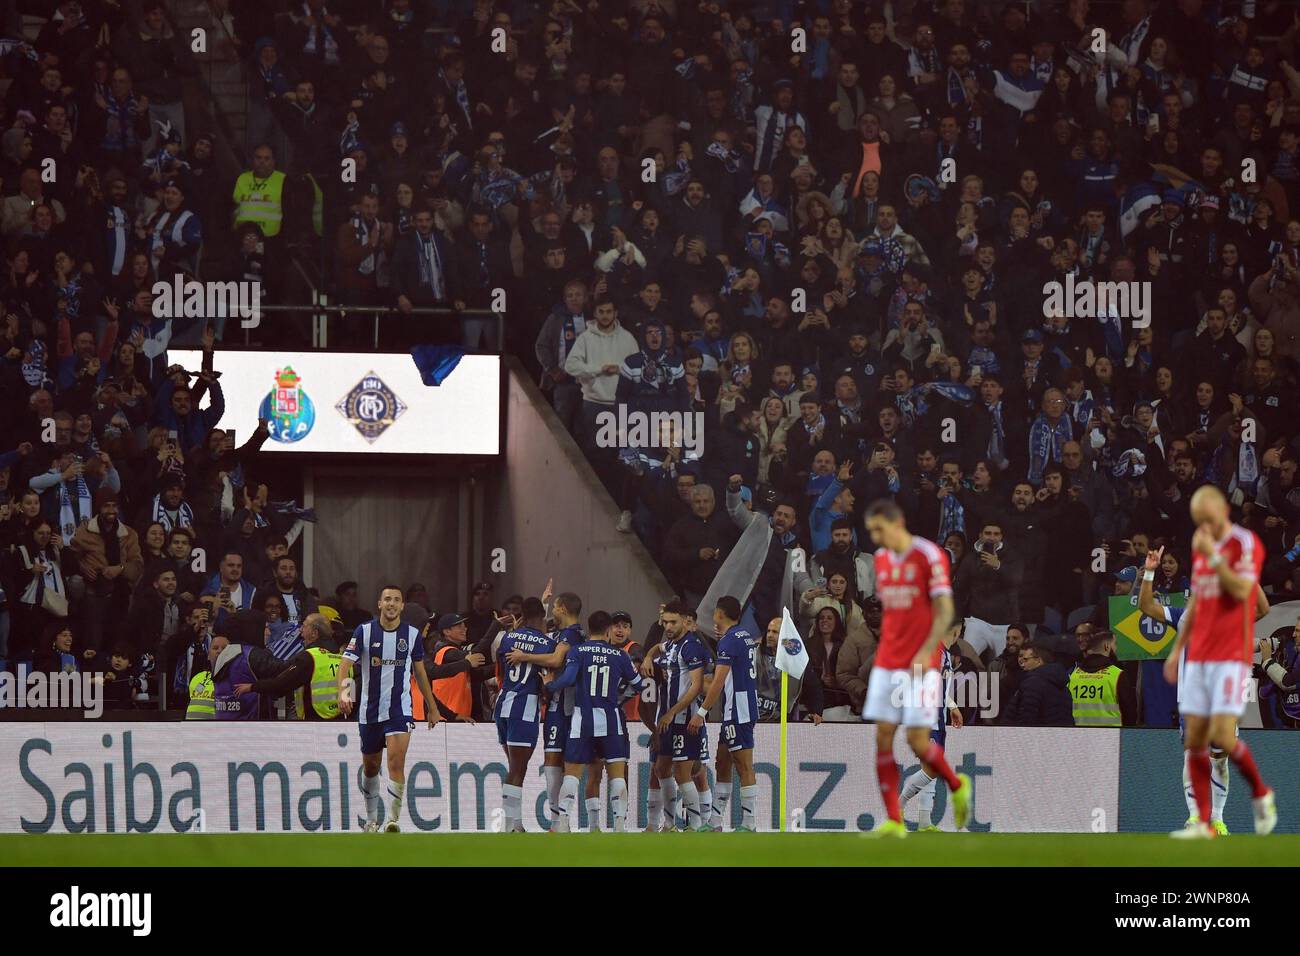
<point x="1220" y="636"/>
<point x="906" y="686"/>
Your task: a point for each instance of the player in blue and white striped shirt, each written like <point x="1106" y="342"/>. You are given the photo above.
<point x="598" y="672"/>
<point x="735" y="679"/>
<point x="920" y="784"/>
<point x="383" y="700"/>
<point x="518" y="709"/>
<point x="685" y="663"/>
<point x="555" y="729"/>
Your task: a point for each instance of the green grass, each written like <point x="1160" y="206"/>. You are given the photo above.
<point x="638" y="849"/>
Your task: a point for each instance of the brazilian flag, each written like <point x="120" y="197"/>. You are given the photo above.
<point x="1138" y="637"/>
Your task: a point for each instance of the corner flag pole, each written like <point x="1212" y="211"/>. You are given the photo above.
<point x="785" y="713"/>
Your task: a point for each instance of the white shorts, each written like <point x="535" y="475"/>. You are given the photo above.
<point x="1214" y="687"/>
<point x="900" y="697"/>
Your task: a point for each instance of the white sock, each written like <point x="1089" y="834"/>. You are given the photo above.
<point x="706" y="803"/>
<point x="668" y="786"/>
<point x="925" y="802"/>
<point x="396" y="790"/>
<point x="618" y="797"/>
<point x="912" y="786"/>
<point x="654" y="807"/>
<point x="748" y="804"/>
<point x="1218" y="786"/>
<point x="512" y="805"/>
<point x="721" y="794"/>
<point x="370" y="787"/>
<point x="691" y="798"/>
<point x="553" y="777"/>
<point x="593" y="813"/>
<point x="567" y="803"/>
<point x="1193" y="812"/>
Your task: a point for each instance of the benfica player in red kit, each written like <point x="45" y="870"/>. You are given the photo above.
<point x="906" y="687"/>
<point x="1220" y="636"/>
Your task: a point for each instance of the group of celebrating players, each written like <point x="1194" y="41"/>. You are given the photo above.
<point x="579" y="688"/>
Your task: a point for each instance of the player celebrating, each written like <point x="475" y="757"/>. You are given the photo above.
<point x="597" y="671"/>
<point x="905" y="685"/>
<point x="555" y="729"/>
<point x="384" y="701"/>
<point x="518" y="707"/>
<point x="735" y="677"/>
<point x="922" y="783"/>
<point x="1212" y="692"/>
<point x="685" y="660"/>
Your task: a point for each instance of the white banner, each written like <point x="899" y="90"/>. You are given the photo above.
<point x="219" y="777"/>
<point x="358" y="402"/>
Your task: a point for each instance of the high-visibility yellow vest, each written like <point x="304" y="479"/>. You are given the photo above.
<point x="203" y="705"/>
<point x="1095" y="697"/>
<point x="260" y="201"/>
<point x="324" y="686"/>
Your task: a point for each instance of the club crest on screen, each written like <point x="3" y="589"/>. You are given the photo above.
<point x="289" y="411"/>
<point x="371" y="407"/>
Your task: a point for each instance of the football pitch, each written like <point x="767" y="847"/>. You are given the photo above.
<point x="643" y="849"/>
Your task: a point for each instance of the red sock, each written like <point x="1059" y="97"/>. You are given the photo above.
<point x="1198" y="768"/>
<point x="935" y="762"/>
<point x="887" y="777"/>
<point x="1245" y="762"/>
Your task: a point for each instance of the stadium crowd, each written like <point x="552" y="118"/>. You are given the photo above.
<point x="823" y="227"/>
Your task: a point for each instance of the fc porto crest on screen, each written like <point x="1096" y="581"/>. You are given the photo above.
<point x="287" y="408"/>
<point x="371" y="407"/>
<point x="793" y="646"/>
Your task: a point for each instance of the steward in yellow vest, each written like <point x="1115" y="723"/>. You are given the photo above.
<point x="312" y="674"/>
<point x="1102" y="694"/>
<point x="203" y="704"/>
<point x="259" y="194"/>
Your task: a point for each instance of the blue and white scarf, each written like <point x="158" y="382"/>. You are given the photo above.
<point x="158" y="513"/>
<point x="913" y="405"/>
<point x="997" y="450"/>
<point x="1046" y="442"/>
<point x="952" y="516"/>
<point x="68" y="520"/>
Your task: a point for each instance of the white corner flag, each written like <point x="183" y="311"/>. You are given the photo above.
<point x="791" y="654"/>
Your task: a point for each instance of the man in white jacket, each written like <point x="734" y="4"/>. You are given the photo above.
<point x="594" y="362"/>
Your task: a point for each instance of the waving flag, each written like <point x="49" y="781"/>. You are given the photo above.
<point x="1139" y="198"/>
<point x="791" y="653"/>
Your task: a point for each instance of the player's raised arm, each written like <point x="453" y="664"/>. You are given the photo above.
<point x="1147" y="602"/>
<point x="430" y="702"/>
<point x="552" y="661"/>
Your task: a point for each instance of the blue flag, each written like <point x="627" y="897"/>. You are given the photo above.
<point x="436" y="362"/>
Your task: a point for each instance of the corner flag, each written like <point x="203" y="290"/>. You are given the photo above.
<point x="791" y="661"/>
<point x="791" y="654"/>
